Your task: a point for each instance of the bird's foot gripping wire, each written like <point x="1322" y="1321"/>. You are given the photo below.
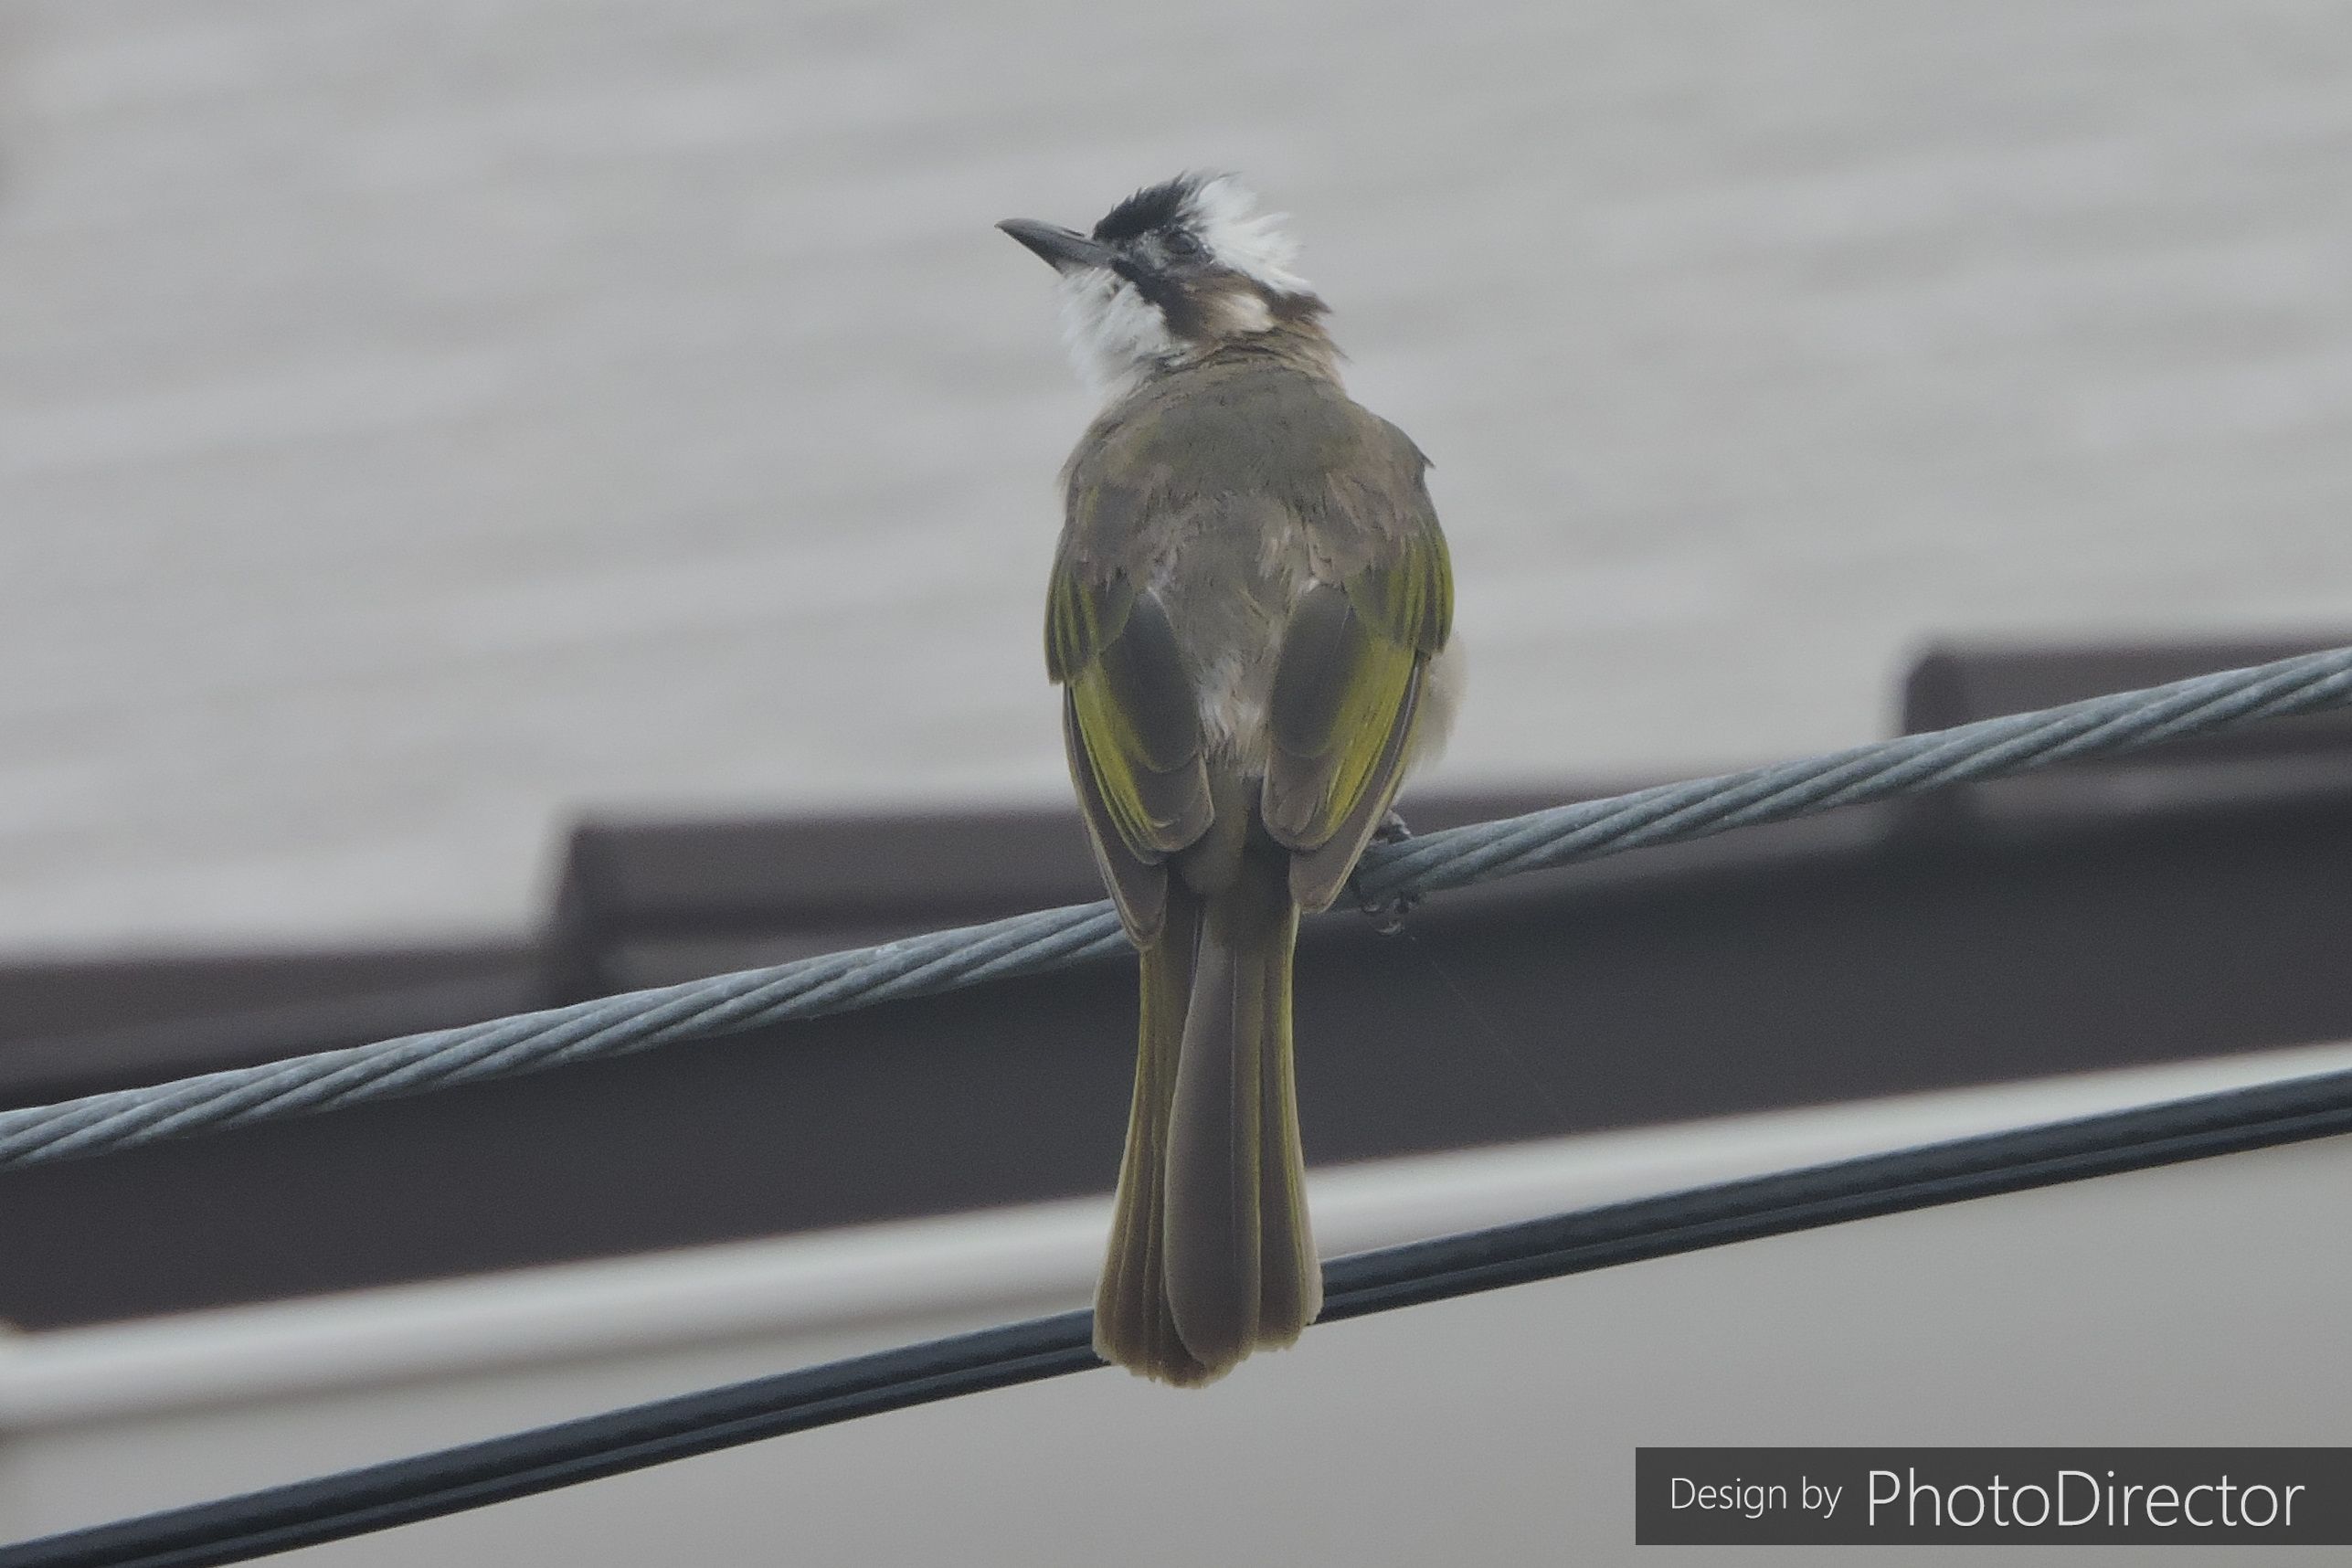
<point x="1387" y="914"/>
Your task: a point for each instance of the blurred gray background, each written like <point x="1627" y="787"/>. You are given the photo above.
<point x="421" y="421"/>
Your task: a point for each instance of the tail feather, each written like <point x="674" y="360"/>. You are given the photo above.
<point x="1210" y="1255"/>
<point x="1291" y="1276"/>
<point x="1133" y="1326"/>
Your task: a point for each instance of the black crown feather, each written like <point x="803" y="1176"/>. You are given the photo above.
<point x="1153" y="206"/>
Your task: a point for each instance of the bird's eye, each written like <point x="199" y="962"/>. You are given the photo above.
<point x="1179" y="243"/>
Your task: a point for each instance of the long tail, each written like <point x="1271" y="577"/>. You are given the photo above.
<point x="1133" y="1328"/>
<point x="1210" y="1256"/>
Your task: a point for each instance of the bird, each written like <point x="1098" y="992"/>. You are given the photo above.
<point x="1250" y="618"/>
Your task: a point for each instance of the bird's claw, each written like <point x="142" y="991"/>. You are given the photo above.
<point x="1388" y="914"/>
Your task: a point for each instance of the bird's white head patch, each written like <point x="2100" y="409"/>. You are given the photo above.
<point x="1223" y="212"/>
<point x="1186" y="266"/>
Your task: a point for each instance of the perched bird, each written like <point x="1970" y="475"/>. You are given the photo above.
<point x="1247" y="613"/>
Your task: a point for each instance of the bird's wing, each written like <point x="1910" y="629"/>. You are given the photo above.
<point x="1347" y="681"/>
<point x="1130" y="721"/>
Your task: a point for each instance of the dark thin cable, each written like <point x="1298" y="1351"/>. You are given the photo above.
<point x="332" y="1508"/>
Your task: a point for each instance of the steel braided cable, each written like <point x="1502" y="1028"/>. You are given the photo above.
<point x="1054" y="939"/>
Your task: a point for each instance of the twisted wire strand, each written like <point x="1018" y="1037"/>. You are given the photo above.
<point x="1056" y="939"/>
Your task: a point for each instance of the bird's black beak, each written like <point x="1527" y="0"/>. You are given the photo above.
<point x="1063" y="249"/>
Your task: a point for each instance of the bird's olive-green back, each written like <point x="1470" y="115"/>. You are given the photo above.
<point x="1249" y="466"/>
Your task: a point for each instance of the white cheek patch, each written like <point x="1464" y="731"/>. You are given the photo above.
<point x="1255" y="246"/>
<point x="1115" y="334"/>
